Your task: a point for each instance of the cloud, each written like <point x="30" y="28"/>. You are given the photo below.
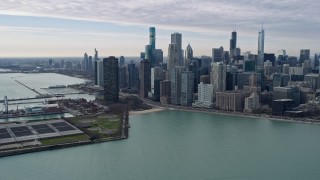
<point x="283" y="19"/>
<point x="192" y="15"/>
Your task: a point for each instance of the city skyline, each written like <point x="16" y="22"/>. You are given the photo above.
<point x="57" y="28"/>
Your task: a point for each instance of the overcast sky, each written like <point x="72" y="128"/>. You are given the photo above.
<point x="40" y="28"/>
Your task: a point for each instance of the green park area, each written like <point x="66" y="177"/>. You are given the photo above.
<point x="99" y="127"/>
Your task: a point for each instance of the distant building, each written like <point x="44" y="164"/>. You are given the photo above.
<point x="260" y="49"/>
<point x="217" y="54"/>
<point x="100" y="74"/>
<point x="111" y="79"/>
<point x="312" y="81"/>
<point x="233" y="44"/>
<point x="304" y="55"/>
<point x="122" y="61"/>
<point x="231" y="77"/>
<point x="188" y="54"/>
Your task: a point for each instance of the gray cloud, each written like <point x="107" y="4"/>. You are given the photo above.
<point x="285" y="18"/>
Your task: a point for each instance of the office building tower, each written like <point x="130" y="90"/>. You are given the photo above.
<point x="152" y="37"/>
<point x="218" y="77"/>
<point x="85" y="62"/>
<point x="133" y="76"/>
<point x="316" y="60"/>
<point x="142" y="55"/>
<point x="187" y="86"/>
<point x="304" y="55"/>
<point x="122" y="77"/>
<point x="145" y="77"/>
<point x="165" y="92"/>
<point x="122" y="61"/>
<point x="176" y="38"/>
<point x="260" y="49"/>
<point x="175" y="76"/>
<point x="174" y="57"/>
<point x="156" y="77"/>
<point x="205" y="96"/>
<point x="96" y="57"/>
<point x="90" y="64"/>
<point x="233" y="44"/>
<point x="100" y="74"/>
<point x="96" y="75"/>
<point x="158" y="55"/>
<point x="188" y="55"/>
<point x="111" y="79"/>
<point x="231" y="77"/>
<point x="217" y="54"/>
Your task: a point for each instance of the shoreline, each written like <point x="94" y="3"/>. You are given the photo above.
<point x="157" y="108"/>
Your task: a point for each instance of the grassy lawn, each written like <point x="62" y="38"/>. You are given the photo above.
<point x="106" y="123"/>
<point x="66" y="139"/>
<point x="102" y="123"/>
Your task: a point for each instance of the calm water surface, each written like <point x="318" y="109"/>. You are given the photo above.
<point x="183" y="145"/>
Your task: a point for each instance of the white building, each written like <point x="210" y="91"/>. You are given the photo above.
<point x="251" y="102"/>
<point x="205" y="96"/>
<point x="296" y="70"/>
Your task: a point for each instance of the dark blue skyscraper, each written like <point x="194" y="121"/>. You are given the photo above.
<point x="233" y="44"/>
<point x="152" y="37"/>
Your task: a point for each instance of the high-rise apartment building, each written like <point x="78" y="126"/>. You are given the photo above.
<point x="145" y="78"/>
<point x="217" y="54"/>
<point x="218" y="77"/>
<point x="111" y="79"/>
<point x="260" y="49"/>
<point x="205" y="96"/>
<point x="188" y="55"/>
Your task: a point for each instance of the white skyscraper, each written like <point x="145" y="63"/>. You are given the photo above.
<point x="260" y="49"/>
<point x="218" y="77"/>
<point x="205" y="96"/>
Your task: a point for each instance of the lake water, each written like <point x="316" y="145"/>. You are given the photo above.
<point x="183" y="145"/>
<point x="13" y="90"/>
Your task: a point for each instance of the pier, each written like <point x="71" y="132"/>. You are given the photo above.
<point x="29" y="88"/>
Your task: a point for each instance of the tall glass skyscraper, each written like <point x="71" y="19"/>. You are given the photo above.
<point x="260" y="49"/>
<point x="152" y="38"/>
<point x="233" y="44"/>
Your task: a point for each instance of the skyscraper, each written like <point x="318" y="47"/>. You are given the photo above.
<point x="233" y="44"/>
<point x="217" y="54"/>
<point x="152" y="38"/>
<point x="175" y="76"/>
<point x="85" y="62"/>
<point x="316" y="60"/>
<point x="176" y="38"/>
<point x="218" y="77"/>
<point x="145" y="78"/>
<point x="133" y="76"/>
<point x="304" y="55"/>
<point x="174" y="56"/>
<point x="111" y="79"/>
<point x="187" y="86"/>
<point x="260" y="49"/>
<point x="122" y="61"/>
<point x="188" y="55"/>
